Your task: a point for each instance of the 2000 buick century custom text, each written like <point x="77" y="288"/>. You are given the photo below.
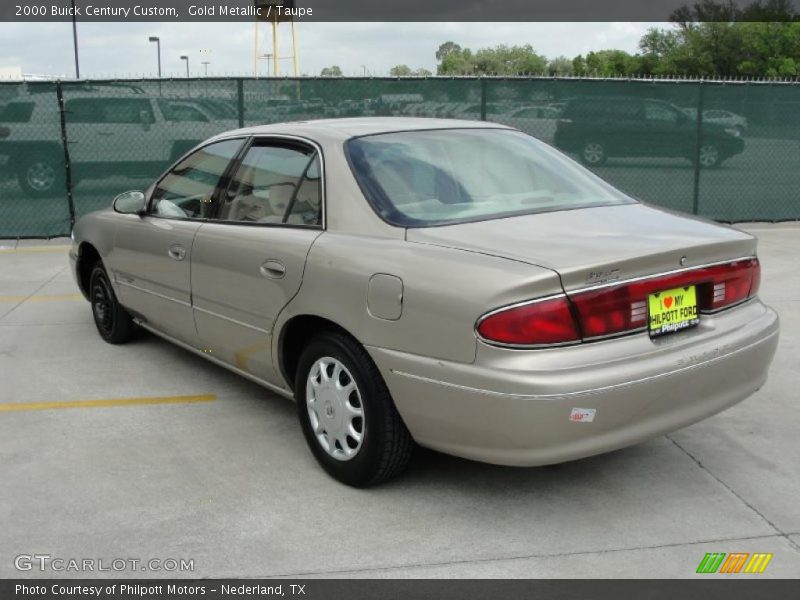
<point x="453" y="284"/>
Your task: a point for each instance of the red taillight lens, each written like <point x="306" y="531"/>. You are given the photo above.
<point x="616" y="309"/>
<point x="620" y="308"/>
<point x="540" y="322"/>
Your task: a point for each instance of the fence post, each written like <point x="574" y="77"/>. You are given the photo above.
<point x="67" y="163"/>
<point x="240" y="100"/>
<point x="698" y="142"/>
<point x="483" y="98"/>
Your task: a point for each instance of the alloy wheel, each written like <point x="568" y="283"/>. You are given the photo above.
<point x="593" y="153"/>
<point x="709" y="155"/>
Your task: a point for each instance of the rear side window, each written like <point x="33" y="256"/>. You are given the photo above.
<point x="17" y="112"/>
<point x="277" y="184"/>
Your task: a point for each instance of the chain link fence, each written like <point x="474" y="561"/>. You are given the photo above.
<point x="725" y="150"/>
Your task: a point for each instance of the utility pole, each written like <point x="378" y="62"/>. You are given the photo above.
<point x="205" y="64"/>
<point x="75" y="41"/>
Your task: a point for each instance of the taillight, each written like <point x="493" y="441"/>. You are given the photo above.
<point x="540" y="322"/>
<point x="615" y="309"/>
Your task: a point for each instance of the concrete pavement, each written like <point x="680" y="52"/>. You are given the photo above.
<point x="229" y="483"/>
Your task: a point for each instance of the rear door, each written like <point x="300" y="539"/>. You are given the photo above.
<point x="666" y="130"/>
<point x="152" y="254"/>
<point x="248" y="262"/>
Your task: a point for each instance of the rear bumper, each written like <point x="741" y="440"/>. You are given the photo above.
<point x="514" y="407"/>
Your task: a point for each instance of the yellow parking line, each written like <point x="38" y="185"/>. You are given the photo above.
<point x="42" y="298"/>
<point x="34" y="249"/>
<point x="108" y="403"/>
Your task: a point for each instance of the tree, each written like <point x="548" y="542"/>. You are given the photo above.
<point x="400" y="71"/>
<point x="422" y="72"/>
<point x="611" y="63"/>
<point x="560" y="66"/>
<point x="446" y="49"/>
<point x="499" y="60"/>
<point x="333" y="71"/>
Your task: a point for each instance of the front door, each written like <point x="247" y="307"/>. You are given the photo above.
<point x="152" y="256"/>
<point x="248" y="262"/>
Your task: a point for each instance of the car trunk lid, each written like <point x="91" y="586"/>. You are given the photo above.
<point x="593" y="246"/>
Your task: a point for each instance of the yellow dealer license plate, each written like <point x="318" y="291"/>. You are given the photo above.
<point x="672" y="310"/>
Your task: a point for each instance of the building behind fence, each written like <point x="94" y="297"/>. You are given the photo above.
<point x="725" y="150"/>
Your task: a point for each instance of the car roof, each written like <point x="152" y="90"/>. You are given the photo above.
<point x="342" y="129"/>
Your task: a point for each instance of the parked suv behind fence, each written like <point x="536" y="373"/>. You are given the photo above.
<point x="126" y="134"/>
<point x="598" y="128"/>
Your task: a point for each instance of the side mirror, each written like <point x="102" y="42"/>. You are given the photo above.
<point x="130" y="203"/>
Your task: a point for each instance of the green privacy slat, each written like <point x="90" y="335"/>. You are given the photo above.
<point x="728" y="151"/>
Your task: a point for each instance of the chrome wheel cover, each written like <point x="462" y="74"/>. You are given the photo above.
<point x="335" y="410"/>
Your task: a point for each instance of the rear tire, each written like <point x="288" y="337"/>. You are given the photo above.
<point x="113" y="322"/>
<point x="347" y="415"/>
<point x="709" y="156"/>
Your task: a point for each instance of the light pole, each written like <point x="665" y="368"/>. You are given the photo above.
<point x="205" y="64"/>
<point x="188" y="88"/>
<point x="157" y="40"/>
<point x="75" y="41"/>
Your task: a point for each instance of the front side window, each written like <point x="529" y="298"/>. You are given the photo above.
<point x="109" y="110"/>
<point x="438" y="177"/>
<point x="278" y="184"/>
<point x="181" y="112"/>
<point x="187" y="191"/>
<point x="655" y="111"/>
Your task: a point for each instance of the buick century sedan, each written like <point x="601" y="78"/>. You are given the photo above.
<point x="457" y="285"/>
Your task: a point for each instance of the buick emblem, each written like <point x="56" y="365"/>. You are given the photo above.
<point x="683" y="261"/>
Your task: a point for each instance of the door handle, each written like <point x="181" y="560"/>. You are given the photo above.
<point x="177" y="252"/>
<point x="273" y="269"/>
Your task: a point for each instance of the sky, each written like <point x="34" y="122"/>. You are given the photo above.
<point x="122" y="49"/>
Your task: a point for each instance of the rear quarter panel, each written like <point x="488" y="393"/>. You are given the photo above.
<point x="445" y="291"/>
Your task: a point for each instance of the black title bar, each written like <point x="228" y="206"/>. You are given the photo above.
<point x="393" y="10"/>
<point x="711" y="588"/>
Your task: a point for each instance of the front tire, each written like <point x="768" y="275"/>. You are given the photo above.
<point x="113" y="322"/>
<point x="593" y="154"/>
<point x="347" y="415"/>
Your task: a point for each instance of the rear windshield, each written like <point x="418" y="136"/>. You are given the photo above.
<point x="439" y="177"/>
